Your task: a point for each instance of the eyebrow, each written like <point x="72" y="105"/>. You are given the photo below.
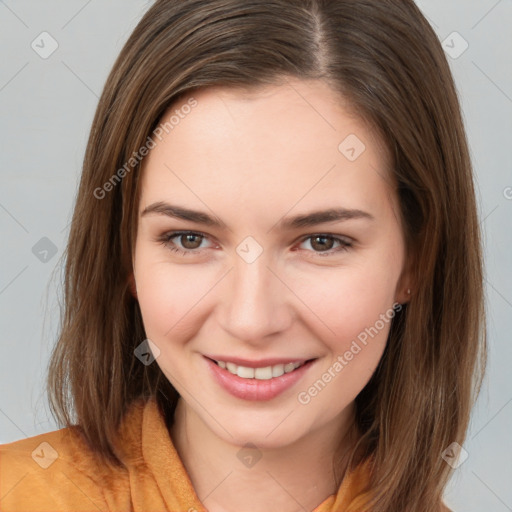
<point x="295" y="222"/>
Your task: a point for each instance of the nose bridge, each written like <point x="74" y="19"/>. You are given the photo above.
<point x="256" y="305"/>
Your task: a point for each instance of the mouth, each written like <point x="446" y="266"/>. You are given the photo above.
<point x="264" y="379"/>
<point x="261" y="380"/>
<point x="259" y="372"/>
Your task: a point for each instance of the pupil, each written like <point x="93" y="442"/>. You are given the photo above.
<point x="190" y="240"/>
<point x="322" y="245"/>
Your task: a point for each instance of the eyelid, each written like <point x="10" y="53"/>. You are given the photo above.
<point x="345" y="242"/>
<point x="165" y="239"/>
<point x="343" y="238"/>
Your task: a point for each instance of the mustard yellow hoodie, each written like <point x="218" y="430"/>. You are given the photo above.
<point x="56" y="472"/>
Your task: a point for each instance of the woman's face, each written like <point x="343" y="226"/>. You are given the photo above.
<point x="294" y="254"/>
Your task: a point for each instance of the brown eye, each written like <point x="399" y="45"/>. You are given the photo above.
<point x="325" y="245"/>
<point x="322" y="243"/>
<point x="186" y="243"/>
<point x="190" y="241"/>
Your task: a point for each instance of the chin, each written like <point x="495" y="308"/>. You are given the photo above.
<point x="264" y="430"/>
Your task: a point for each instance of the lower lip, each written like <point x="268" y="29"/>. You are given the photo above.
<point x="255" y="389"/>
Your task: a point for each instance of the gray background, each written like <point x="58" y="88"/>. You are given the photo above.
<point x="47" y="107"/>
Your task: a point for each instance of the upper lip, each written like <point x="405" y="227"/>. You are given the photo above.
<point x="260" y="363"/>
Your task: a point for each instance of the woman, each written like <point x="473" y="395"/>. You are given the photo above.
<point x="273" y="293"/>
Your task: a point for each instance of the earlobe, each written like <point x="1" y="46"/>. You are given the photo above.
<point x="406" y="282"/>
<point x="404" y="296"/>
<point x="405" y="287"/>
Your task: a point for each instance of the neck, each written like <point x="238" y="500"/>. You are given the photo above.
<point x="292" y="478"/>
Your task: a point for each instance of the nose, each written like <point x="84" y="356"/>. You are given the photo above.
<point x="254" y="303"/>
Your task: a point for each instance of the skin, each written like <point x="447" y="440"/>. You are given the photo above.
<point x="250" y="159"/>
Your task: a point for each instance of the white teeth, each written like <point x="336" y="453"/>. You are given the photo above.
<point x="266" y="373"/>
<point x="231" y="367"/>
<point x="245" y="373"/>
<point x="263" y="373"/>
<point x="277" y="370"/>
<point x="289" y="367"/>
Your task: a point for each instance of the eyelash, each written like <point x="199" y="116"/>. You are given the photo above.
<point x="166" y="238"/>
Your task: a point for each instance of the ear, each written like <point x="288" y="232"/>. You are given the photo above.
<point x="405" y="286"/>
<point x="133" y="287"/>
<point x="403" y="295"/>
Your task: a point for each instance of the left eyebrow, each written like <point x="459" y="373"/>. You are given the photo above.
<point x="288" y="223"/>
<point x="322" y="217"/>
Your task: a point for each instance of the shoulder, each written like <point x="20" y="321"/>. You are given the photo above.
<point x="444" y="508"/>
<point x="50" y="471"/>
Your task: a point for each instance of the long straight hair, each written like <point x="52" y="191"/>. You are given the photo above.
<point x="385" y="59"/>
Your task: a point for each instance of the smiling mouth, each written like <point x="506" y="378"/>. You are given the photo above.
<point x="262" y="373"/>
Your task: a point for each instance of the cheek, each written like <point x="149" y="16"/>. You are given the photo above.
<point x="356" y="304"/>
<point x="354" y="316"/>
<point x="170" y="297"/>
<point x="346" y="301"/>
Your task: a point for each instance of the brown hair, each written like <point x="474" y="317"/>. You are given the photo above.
<point x="385" y="59"/>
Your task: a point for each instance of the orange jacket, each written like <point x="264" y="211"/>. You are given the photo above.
<point x="56" y="472"/>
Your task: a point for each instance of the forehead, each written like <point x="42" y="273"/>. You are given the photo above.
<point x="298" y="141"/>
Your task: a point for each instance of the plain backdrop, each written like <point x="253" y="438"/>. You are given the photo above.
<point x="47" y="104"/>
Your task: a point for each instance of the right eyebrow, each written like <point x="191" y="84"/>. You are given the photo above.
<point x="179" y="212"/>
